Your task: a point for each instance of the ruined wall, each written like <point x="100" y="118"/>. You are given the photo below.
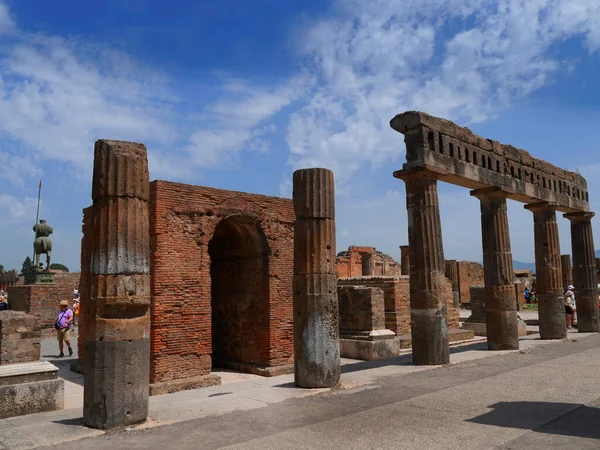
<point x="396" y="295"/>
<point x="465" y="159"/>
<point x="41" y="300"/>
<point x="183" y="220"/>
<point x="67" y="280"/>
<point x="361" y="309"/>
<point x="350" y="262"/>
<point x="469" y="274"/>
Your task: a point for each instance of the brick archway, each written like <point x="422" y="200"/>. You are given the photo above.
<point x="239" y="271"/>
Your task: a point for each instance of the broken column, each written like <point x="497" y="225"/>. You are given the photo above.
<point x="567" y="271"/>
<point x="428" y="307"/>
<point x="117" y="346"/>
<point x="549" y="289"/>
<point x="404" y="260"/>
<point x="316" y="326"/>
<point x="452" y="274"/>
<point x="584" y="271"/>
<point x="498" y="273"/>
<point x="368" y="264"/>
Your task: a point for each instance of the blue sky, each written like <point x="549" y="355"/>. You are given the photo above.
<point x="237" y="95"/>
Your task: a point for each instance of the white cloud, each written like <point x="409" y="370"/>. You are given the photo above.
<point x="15" y="210"/>
<point x="463" y="60"/>
<point x="7" y="24"/>
<point x="239" y="120"/>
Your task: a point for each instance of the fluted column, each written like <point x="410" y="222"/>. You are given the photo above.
<point x="316" y="329"/>
<point x="584" y="271"/>
<point x="428" y="307"/>
<point x="500" y="304"/>
<point x="549" y="289"/>
<point x="452" y="275"/>
<point x="404" y="260"/>
<point x="117" y="338"/>
<point x="567" y="271"/>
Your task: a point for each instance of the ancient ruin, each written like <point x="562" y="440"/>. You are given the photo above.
<point x="316" y="323"/>
<point x="439" y="150"/>
<point x="117" y="284"/>
<point x="365" y="261"/>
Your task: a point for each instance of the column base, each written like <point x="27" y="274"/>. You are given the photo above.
<point x="429" y="331"/>
<point x="502" y="330"/>
<point x="553" y="321"/>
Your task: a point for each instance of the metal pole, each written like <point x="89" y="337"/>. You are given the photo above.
<point x="37" y="217"/>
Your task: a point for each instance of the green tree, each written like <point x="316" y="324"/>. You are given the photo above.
<point x="57" y="266"/>
<point x="1" y="268"/>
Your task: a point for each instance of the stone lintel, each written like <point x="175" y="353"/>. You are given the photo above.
<point x="582" y="216"/>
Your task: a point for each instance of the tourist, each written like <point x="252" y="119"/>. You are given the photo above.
<point x="63" y="327"/>
<point x="532" y="298"/>
<point x="3" y="301"/>
<point x="76" y="307"/>
<point x="572" y="289"/>
<point x="569" y="309"/>
<point x="527" y="295"/>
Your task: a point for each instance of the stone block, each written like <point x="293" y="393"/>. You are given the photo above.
<point x="20" y="337"/>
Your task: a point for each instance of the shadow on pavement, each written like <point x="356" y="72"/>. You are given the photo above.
<point x="575" y="420"/>
<point x="76" y="421"/>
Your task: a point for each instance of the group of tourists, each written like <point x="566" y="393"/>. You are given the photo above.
<point x="64" y="321"/>
<point x="569" y="301"/>
<point x="530" y="298"/>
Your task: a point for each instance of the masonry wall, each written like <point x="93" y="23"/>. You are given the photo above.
<point x="350" y="262"/>
<point x="41" y="300"/>
<point x="469" y="274"/>
<point x="396" y="295"/>
<point x="183" y="220"/>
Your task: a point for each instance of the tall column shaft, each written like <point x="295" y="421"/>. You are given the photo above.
<point x="316" y="319"/>
<point x="117" y="337"/>
<point x="405" y="260"/>
<point x="452" y="275"/>
<point x="567" y="271"/>
<point x="428" y="307"/>
<point x="584" y="271"/>
<point x="549" y="288"/>
<point x="501" y="308"/>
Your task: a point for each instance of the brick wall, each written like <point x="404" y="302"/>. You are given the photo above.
<point x="469" y="274"/>
<point x="254" y="319"/>
<point x="67" y="279"/>
<point x="396" y="295"/>
<point x="41" y="300"/>
<point x="20" y="336"/>
<point x="350" y="263"/>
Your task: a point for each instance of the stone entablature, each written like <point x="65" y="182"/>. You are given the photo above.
<point x="465" y="159"/>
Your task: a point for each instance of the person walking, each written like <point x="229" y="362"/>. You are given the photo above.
<point x="63" y="327"/>
<point x="569" y="309"/>
<point x="572" y="289"/>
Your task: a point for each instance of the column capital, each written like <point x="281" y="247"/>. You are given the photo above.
<point x="581" y="216"/>
<point x="492" y="192"/>
<point x="541" y="206"/>
<point x="424" y="172"/>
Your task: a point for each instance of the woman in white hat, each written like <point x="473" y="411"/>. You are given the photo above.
<point x="569" y="309"/>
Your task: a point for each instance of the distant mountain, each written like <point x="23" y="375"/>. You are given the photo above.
<point x="597" y="253"/>
<point x="519" y="265"/>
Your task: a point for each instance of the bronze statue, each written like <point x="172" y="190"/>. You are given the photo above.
<point x="42" y="243"/>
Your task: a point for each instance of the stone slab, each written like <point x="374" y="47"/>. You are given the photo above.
<point x="480" y="329"/>
<point x="29" y="398"/>
<point x="264" y="371"/>
<point x="27" y="372"/>
<point x="169" y="387"/>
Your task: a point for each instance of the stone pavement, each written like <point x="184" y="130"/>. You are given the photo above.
<point x="483" y="399"/>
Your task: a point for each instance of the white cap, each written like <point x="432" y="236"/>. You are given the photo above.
<point x="570" y="287"/>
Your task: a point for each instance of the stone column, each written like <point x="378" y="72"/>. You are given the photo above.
<point x="368" y="264"/>
<point x="567" y="271"/>
<point x="429" y="325"/>
<point x="549" y="289"/>
<point x="117" y="347"/>
<point x="452" y="275"/>
<point x="498" y="273"/>
<point x="404" y="260"/>
<point x="316" y="322"/>
<point x="584" y="271"/>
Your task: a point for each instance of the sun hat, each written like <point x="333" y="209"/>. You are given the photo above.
<point x="64" y="303"/>
<point x="570" y="287"/>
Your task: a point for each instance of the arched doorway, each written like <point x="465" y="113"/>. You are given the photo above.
<point x="239" y="293"/>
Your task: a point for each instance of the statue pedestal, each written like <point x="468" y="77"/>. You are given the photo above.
<point x="38" y="277"/>
<point x="41" y="300"/>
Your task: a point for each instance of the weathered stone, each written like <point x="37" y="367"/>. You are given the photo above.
<point x="567" y="271"/>
<point x="117" y="319"/>
<point x="584" y="271"/>
<point x="549" y="289"/>
<point x="501" y="307"/>
<point x="316" y="325"/>
<point x="429" y="327"/>
<point x="20" y="337"/>
<point x="405" y="259"/>
<point x="452" y="274"/>
<point x="368" y="265"/>
<point x="361" y="310"/>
